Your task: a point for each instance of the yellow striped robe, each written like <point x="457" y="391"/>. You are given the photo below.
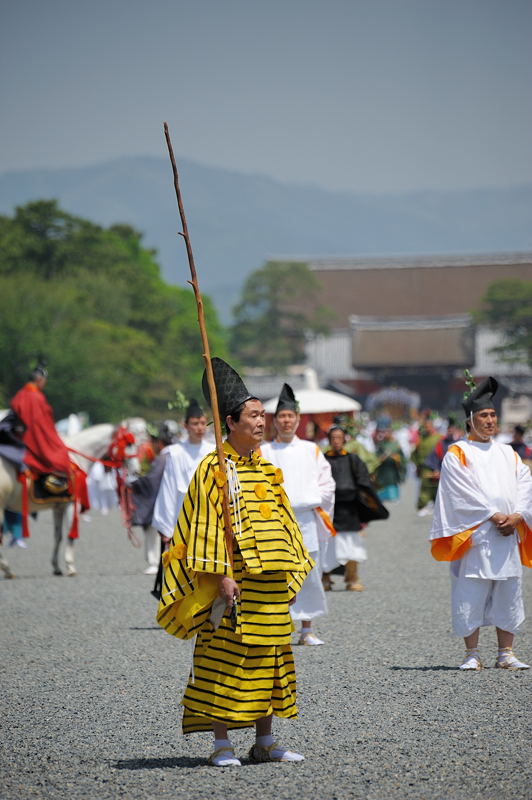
<point x="238" y="676"/>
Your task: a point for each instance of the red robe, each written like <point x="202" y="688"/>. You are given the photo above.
<point x="45" y="451"/>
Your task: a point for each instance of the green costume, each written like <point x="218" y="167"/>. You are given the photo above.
<point x="370" y="459"/>
<point x="391" y="470"/>
<point x="428" y="485"/>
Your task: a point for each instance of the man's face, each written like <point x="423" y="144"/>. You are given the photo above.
<point x="249" y="430"/>
<point x="196" y="427"/>
<point x="286" y="423"/>
<point x="454" y="432"/>
<point x="485" y="423"/>
<point x="337" y="440"/>
<point x="426" y="429"/>
<point x="158" y="445"/>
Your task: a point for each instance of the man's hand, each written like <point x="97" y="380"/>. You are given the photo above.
<point x="227" y="589"/>
<point x="506" y="523"/>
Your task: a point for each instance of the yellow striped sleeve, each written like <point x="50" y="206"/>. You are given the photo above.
<point x="206" y="548"/>
<point x="189" y="580"/>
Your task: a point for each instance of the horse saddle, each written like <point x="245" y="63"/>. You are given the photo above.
<point x="50" y="487"/>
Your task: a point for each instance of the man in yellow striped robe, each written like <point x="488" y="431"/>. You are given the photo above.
<point x="243" y="670"/>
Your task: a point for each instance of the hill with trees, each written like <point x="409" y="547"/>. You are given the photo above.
<point x="237" y="222"/>
<point x="91" y="301"/>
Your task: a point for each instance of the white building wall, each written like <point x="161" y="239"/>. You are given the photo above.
<point x="487" y="363"/>
<point x="330" y="356"/>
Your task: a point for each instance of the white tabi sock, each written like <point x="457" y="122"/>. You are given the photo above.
<point x="472" y="660"/>
<point x="278" y="752"/>
<point x="226" y="758"/>
<point x="265" y="741"/>
<point x="507" y="660"/>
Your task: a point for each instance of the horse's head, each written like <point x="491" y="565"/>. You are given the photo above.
<point x="93" y="442"/>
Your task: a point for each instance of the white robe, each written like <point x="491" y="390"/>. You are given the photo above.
<point x="345" y="546"/>
<point x="493" y="479"/>
<point x="309" y="484"/>
<point x="102" y="488"/>
<point x="182" y="459"/>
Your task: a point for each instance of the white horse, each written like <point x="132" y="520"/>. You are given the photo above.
<point x="93" y="442"/>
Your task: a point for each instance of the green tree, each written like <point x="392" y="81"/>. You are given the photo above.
<point x="42" y="239"/>
<point x="278" y="308"/>
<point x="507" y="306"/>
<point x="118" y="340"/>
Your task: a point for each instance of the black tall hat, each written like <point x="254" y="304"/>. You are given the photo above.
<point x="230" y="388"/>
<point x="40" y="368"/>
<point x="164" y="434"/>
<point x="194" y="410"/>
<point x="481" y="397"/>
<point x="287" y="400"/>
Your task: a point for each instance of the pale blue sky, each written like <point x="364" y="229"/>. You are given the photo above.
<point x="362" y="95"/>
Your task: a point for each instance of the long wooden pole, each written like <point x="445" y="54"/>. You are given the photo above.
<point x="206" y="353"/>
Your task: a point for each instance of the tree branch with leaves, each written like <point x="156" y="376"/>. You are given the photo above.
<point x="507" y="306"/>
<point x="279" y="306"/>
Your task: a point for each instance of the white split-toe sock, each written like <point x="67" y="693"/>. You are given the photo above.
<point x="472" y="660"/>
<point x="265" y="749"/>
<point x="224" y="755"/>
<point x="309" y="638"/>
<point x="507" y="660"/>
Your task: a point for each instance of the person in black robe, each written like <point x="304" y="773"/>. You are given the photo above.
<point x="356" y="503"/>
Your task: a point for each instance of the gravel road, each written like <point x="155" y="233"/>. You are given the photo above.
<point x="91" y="687"/>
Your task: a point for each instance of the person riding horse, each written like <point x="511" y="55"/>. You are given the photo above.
<point x="46" y="455"/>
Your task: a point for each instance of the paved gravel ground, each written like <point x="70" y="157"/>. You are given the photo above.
<point x="90" y="707"/>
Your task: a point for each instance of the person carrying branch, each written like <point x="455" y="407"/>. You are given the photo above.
<point x="233" y="593"/>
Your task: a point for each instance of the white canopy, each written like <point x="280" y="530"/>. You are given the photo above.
<point x="318" y="401"/>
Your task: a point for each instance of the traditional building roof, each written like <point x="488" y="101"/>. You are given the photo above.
<point x="431" y="343"/>
<point x="417" y="261"/>
<point x="412" y="286"/>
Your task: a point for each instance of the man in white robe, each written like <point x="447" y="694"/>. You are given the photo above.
<point x="182" y="459"/>
<point x="310" y="487"/>
<point x="102" y="488"/>
<point x="482" y="525"/>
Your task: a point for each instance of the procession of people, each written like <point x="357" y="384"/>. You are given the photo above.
<point x="246" y="550"/>
<point x="281" y="493"/>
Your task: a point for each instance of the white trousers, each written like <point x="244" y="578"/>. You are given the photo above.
<point x="476" y="602"/>
<point x="310" y="600"/>
<point x="345" y="546"/>
<point x="152" y="546"/>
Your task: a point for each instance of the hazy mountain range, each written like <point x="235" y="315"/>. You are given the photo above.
<point x="238" y="221"/>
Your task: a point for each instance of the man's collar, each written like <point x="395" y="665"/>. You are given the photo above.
<point x="295" y="438"/>
<point x="236" y="457"/>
